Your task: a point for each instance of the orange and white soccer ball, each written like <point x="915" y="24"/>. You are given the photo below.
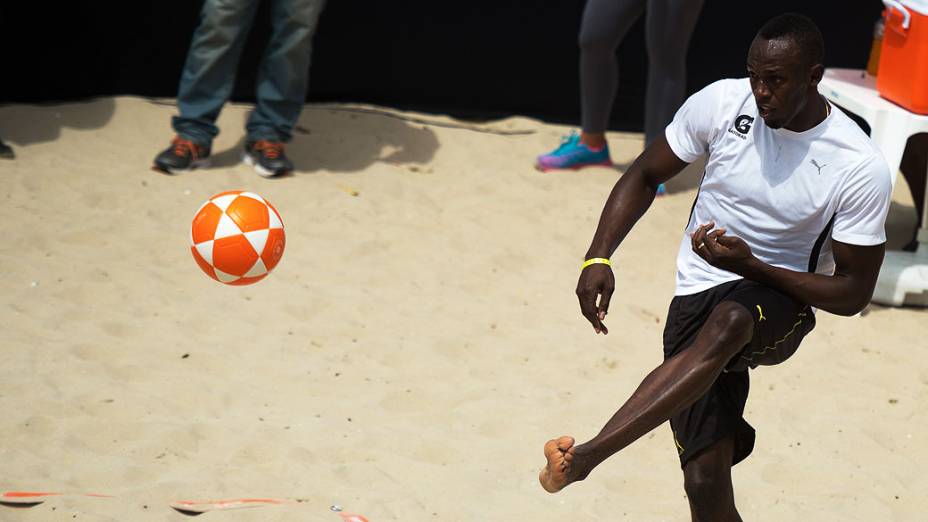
<point x="237" y="237"/>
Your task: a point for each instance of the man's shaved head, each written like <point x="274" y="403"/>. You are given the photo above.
<point x="784" y="66"/>
<point x="799" y="30"/>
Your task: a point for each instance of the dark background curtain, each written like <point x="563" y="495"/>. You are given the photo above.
<point x="478" y="59"/>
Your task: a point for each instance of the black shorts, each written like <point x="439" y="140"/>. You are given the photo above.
<point x="780" y="323"/>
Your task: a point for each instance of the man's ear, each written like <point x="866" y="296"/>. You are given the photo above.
<point x="816" y="73"/>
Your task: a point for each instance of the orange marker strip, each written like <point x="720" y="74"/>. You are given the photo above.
<point x="34" y="497"/>
<point x="202" y="506"/>
<point x="26" y="497"/>
<point x="347" y="517"/>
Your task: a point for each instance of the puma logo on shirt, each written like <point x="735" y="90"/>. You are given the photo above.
<point x="819" y="167"/>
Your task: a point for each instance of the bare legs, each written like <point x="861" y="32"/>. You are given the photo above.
<point x="670" y="388"/>
<point x="707" y="481"/>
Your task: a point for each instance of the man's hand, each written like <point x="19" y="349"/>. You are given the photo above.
<point x="595" y="281"/>
<point x="721" y="251"/>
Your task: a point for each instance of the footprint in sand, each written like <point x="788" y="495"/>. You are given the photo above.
<point x="117" y="329"/>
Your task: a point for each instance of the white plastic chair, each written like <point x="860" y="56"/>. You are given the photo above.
<point x="904" y="276"/>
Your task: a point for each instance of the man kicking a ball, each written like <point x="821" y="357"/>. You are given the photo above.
<point x="789" y="217"/>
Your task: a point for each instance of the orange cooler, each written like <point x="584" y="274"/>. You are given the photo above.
<point x="903" y="74"/>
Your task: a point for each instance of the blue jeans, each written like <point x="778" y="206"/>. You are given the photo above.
<point x="283" y="75"/>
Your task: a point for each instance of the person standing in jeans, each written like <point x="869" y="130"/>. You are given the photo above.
<point x="209" y="76"/>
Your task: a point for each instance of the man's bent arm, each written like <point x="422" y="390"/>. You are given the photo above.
<point x="846" y="292"/>
<point x="632" y="194"/>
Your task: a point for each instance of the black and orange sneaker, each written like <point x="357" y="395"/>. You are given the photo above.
<point x="182" y="155"/>
<point x="267" y="158"/>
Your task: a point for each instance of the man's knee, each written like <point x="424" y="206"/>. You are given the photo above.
<point x="729" y="328"/>
<point x="705" y="485"/>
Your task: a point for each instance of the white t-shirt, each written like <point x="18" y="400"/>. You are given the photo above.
<point x="778" y="190"/>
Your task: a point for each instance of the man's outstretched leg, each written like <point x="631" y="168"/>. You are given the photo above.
<point x="670" y="388"/>
<point x="707" y="481"/>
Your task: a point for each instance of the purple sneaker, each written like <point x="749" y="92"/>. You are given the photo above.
<point x="572" y="154"/>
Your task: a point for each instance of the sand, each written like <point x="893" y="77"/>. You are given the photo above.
<point x="413" y="351"/>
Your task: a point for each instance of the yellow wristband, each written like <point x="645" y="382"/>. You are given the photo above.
<point x="596" y="261"/>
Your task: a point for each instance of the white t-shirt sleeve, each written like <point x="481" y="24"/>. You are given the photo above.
<point x="863" y="205"/>
<point x="690" y="131"/>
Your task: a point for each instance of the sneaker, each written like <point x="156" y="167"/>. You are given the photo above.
<point x="182" y="155"/>
<point x="572" y="154"/>
<point x="6" y="152"/>
<point x="267" y="158"/>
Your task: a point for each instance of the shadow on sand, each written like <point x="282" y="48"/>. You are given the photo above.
<point x="342" y="141"/>
<point x="46" y="124"/>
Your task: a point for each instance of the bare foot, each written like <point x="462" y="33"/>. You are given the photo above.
<point x="560" y="453"/>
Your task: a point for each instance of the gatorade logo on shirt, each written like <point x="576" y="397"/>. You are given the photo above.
<point x="741" y="126"/>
